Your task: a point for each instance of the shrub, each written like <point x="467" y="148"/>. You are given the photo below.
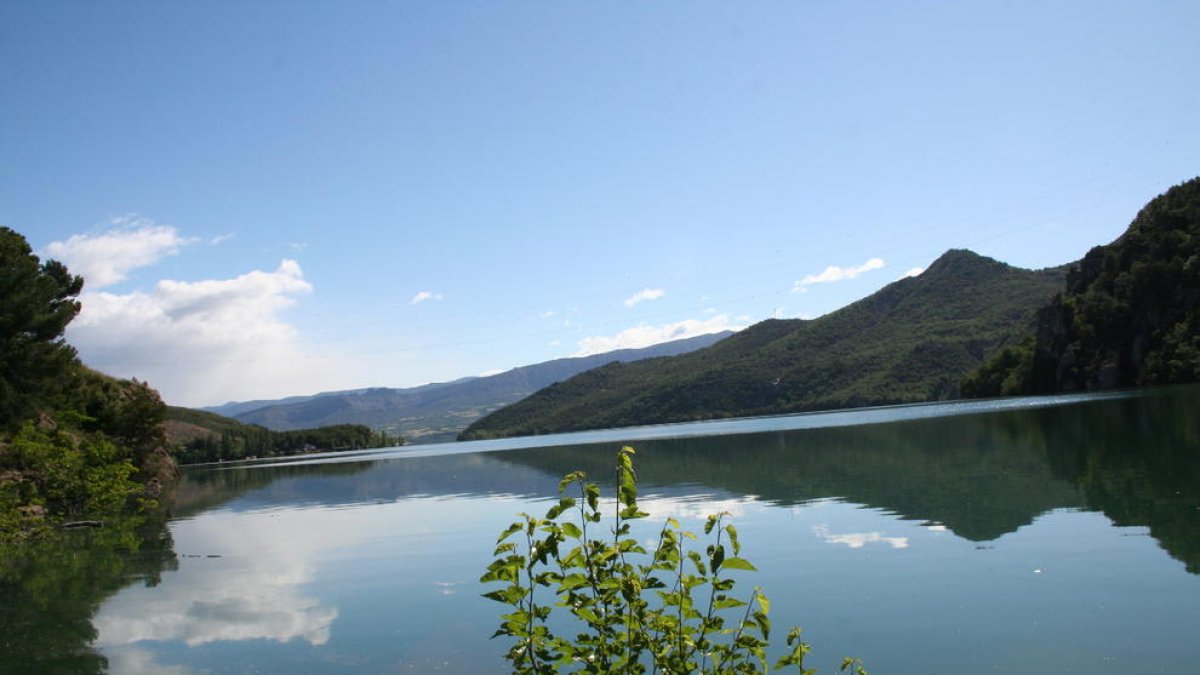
<point x="629" y="610"/>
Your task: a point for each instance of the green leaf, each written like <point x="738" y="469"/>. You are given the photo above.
<point x="509" y="531"/>
<point x="765" y="623"/>
<point x="586" y="614"/>
<point x="728" y="603"/>
<point x="572" y="581"/>
<point x="738" y="564"/>
<point x="716" y="556"/>
<point x="573" y="477"/>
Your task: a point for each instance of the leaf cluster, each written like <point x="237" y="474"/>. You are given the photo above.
<point x="622" y="607"/>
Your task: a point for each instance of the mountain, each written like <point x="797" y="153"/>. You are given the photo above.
<point x="911" y="341"/>
<point x="236" y="408"/>
<point x="437" y="412"/>
<point x="1129" y="314"/>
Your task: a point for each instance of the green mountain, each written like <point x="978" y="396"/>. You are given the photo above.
<point x="911" y="341"/>
<point x="437" y="412"/>
<point x="1129" y="314"/>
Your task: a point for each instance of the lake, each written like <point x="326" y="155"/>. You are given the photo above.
<point x="1053" y="535"/>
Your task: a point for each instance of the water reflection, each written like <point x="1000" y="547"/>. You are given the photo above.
<point x="249" y="586"/>
<point x="858" y="539"/>
<point x="371" y="565"/>
<point x="49" y="591"/>
<point x="981" y="476"/>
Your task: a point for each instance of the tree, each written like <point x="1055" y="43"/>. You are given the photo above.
<point x="37" y="301"/>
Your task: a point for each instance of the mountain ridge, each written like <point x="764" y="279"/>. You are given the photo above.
<point x="910" y="341"/>
<point x="439" y="411"/>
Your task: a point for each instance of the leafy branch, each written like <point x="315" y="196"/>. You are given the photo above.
<point x="629" y="610"/>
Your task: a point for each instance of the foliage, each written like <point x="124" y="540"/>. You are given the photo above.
<point x="37" y="301"/>
<point x="912" y="341"/>
<point x="1007" y="373"/>
<point x="62" y="474"/>
<point x="213" y="438"/>
<point x="73" y="442"/>
<point x="1129" y="314"/>
<point x="671" y="610"/>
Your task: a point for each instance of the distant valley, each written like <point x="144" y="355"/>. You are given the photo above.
<point x="436" y="412"/>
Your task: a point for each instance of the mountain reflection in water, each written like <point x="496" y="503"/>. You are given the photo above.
<point x="250" y="552"/>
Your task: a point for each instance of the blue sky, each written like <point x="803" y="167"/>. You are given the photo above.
<point x="283" y="198"/>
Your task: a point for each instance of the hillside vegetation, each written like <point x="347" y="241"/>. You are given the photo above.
<point x="74" y="444"/>
<point x="198" y="436"/>
<point x="911" y="341"/>
<point x="1129" y="314"/>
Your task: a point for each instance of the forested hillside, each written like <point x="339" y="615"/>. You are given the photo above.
<point x="911" y="341"/>
<point x="198" y="436"/>
<point x="74" y="444"/>
<point x="1129" y="314"/>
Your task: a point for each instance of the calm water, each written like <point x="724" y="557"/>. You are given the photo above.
<point x="1047" y="536"/>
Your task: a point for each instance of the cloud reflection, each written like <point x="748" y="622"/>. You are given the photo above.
<point x="858" y="539"/>
<point x="234" y="588"/>
<point x="134" y="661"/>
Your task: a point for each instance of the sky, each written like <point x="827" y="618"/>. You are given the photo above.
<point x="280" y="198"/>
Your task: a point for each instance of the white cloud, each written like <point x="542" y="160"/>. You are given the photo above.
<point x="422" y="296"/>
<point x="221" y="238"/>
<point x="493" y="371"/>
<point x="778" y="313"/>
<point x="834" y="273"/>
<point x="201" y="342"/>
<point x="644" y="335"/>
<point x="644" y="294"/>
<point x="916" y="271"/>
<point x="106" y="259"/>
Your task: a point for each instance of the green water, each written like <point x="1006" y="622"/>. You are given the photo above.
<point x="1044" y="536"/>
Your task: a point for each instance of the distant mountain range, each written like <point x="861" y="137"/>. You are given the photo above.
<point x="1128" y="314"/>
<point x="436" y="412"/>
<point x="911" y="341"/>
